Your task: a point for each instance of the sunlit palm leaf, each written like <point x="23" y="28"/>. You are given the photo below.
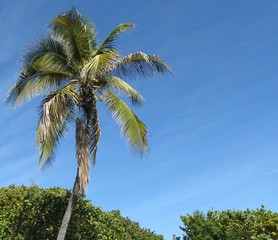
<point x="56" y="112"/>
<point x="108" y="43"/>
<point x="100" y="64"/>
<point x="131" y="127"/>
<point x="141" y="64"/>
<point x="33" y="81"/>
<point x="121" y="86"/>
<point x="48" y="52"/>
<point x="76" y="33"/>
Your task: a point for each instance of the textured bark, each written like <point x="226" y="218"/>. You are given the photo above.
<point x="67" y="215"/>
<point x="82" y="176"/>
<point x="82" y="153"/>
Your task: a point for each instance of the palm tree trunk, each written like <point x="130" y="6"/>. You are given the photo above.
<point x="82" y="176"/>
<point x="67" y="215"/>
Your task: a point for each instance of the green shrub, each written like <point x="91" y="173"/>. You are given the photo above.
<point x="31" y="213"/>
<point x="256" y="224"/>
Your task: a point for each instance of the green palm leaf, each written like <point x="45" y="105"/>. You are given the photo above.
<point x="76" y="33"/>
<point x="48" y="52"/>
<point x="108" y="43"/>
<point x="99" y="64"/>
<point x="131" y="127"/>
<point x="122" y="87"/>
<point x="35" y="80"/>
<point x="141" y="64"/>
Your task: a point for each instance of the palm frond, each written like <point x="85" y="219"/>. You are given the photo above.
<point x="34" y="80"/>
<point x="131" y="126"/>
<point x="76" y="33"/>
<point x="108" y="43"/>
<point x="99" y="64"/>
<point x="94" y="132"/>
<point x="141" y="64"/>
<point x="56" y="112"/>
<point x="50" y="53"/>
<point x="123" y="87"/>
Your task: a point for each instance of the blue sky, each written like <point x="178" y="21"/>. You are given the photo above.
<point x="213" y="124"/>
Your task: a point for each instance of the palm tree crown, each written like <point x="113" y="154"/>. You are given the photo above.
<point x="72" y="72"/>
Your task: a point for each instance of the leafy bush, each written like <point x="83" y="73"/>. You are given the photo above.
<point x="256" y="224"/>
<point x="31" y="213"/>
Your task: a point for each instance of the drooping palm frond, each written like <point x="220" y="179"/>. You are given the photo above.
<point x="123" y="87"/>
<point x="131" y="127"/>
<point x="76" y="33"/>
<point x="82" y="142"/>
<point x="95" y="133"/>
<point x="56" y="112"/>
<point x="34" y="80"/>
<point x="50" y="53"/>
<point x="108" y="43"/>
<point x="141" y="64"/>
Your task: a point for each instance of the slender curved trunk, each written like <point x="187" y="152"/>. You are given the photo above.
<point x="82" y="136"/>
<point x="67" y="215"/>
<point x="82" y="176"/>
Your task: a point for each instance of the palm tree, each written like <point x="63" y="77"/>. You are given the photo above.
<point x="73" y="72"/>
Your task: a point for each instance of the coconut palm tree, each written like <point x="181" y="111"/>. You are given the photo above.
<point x="72" y="72"/>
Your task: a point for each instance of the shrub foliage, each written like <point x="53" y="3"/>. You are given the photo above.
<point x="31" y="213"/>
<point x="258" y="224"/>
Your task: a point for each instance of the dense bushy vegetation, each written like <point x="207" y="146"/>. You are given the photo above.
<point x="258" y="224"/>
<point x="31" y="213"/>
